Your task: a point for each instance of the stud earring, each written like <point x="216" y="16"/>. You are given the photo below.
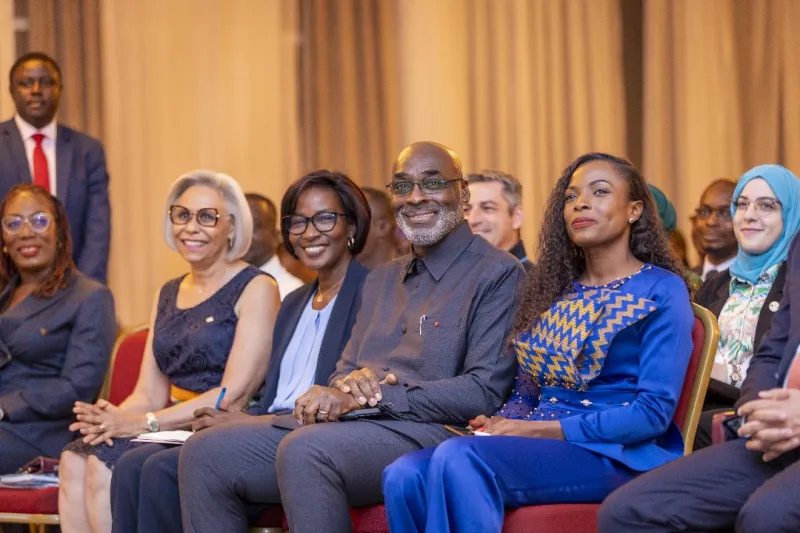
<point x="632" y="221"/>
<point x="351" y="242"/>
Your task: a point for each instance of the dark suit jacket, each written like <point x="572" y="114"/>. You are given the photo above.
<point x="713" y="295"/>
<point x="337" y="333"/>
<point x="777" y="349"/>
<point x="81" y="185"/>
<point x="59" y="352"/>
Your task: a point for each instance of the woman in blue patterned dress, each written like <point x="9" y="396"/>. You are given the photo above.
<point x="603" y="339"/>
<point x="766" y="216"/>
<point x="211" y="328"/>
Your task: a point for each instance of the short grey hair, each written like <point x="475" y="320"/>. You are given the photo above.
<point x="235" y="203"/>
<point x="512" y="188"/>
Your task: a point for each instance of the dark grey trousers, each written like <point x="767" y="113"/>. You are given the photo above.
<point x="317" y="472"/>
<point x="714" y="489"/>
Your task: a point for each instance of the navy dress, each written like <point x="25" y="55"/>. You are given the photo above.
<point x="191" y="347"/>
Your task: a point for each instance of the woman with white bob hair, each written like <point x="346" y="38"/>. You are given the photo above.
<point x="210" y="330"/>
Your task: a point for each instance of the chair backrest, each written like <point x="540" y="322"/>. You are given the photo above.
<point x="126" y="361"/>
<point x="705" y="336"/>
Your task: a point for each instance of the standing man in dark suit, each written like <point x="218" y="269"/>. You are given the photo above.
<point x="750" y="483"/>
<point x="427" y="349"/>
<point x="34" y="148"/>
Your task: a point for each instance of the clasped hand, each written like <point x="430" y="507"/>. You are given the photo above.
<point x="364" y="386"/>
<point x="323" y="404"/>
<point x="772" y="422"/>
<point x="102" y="422"/>
<point x="498" y="425"/>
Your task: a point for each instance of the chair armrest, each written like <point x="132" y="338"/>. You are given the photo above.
<point x="718" y="433"/>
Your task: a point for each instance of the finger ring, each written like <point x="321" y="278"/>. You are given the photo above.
<point x="323" y="412"/>
<point x="102" y="428"/>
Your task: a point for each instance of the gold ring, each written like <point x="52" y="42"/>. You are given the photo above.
<point x="102" y="428"/>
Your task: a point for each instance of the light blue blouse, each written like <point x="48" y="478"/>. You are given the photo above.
<point x="299" y="363"/>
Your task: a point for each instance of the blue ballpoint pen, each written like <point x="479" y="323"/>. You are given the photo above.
<point x="221" y="396"/>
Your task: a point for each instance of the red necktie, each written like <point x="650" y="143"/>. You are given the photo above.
<point x="41" y="174"/>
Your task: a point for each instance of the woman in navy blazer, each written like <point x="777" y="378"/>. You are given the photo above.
<point x="325" y="220"/>
<point x="603" y="338"/>
<point x="57" y="329"/>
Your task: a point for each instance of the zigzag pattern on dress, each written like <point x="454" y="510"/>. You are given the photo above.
<point x="568" y="344"/>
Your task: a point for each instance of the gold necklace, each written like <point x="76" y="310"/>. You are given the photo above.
<point x="321" y="295"/>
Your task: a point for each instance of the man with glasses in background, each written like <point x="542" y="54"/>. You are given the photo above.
<point x="427" y="349"/>
<point x="712" y="229"/>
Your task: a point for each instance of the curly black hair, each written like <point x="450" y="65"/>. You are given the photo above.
<point x="63" y="266"/>
<point x="559" y="261"/>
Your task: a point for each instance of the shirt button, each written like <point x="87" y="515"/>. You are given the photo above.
<point x="386" y="369"/>
<point x="403" y="330"/>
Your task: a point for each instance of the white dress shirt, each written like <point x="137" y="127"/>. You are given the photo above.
<point x="27" y="132"/>
<point x="708" y="266"/>
<point x="286" y="282"/>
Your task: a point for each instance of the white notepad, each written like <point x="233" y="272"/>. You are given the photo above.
<point x="165" y="437"/>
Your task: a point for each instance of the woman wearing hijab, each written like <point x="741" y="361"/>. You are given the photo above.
<point x="766" y="217"/>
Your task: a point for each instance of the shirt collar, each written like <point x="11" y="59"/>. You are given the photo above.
<point x="518" y="251"/>
<point x="708" y="266"/>
<point x="766" y="277"/>
<point x="444" y="253"/>
<point x="27" y="131"/>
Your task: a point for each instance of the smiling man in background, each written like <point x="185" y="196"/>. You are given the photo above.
<point x="494" y="211"/>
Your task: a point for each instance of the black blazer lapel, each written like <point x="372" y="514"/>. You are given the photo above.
<point x="333" y="341"/>
<point x="63" y="163"/>
<point x="17" y="159"/>
<point x="770" y="306"/>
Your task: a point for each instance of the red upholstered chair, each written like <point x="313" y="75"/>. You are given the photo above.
<point x="39" y="507"/>
<point x="582" y="518"/>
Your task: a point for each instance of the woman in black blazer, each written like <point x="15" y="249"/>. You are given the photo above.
<point x="325" y="219"/>
<point x="57" y="329"/>
<point x="745" y="297"/>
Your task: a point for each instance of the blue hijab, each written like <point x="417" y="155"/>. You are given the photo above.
<point x="786" y="187"/>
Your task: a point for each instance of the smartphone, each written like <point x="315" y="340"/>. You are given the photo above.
<point x="732" y="426"/>
<point x="372" y="412"/>
<point x="461" y="432"/>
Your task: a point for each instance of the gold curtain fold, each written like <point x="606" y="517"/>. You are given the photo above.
<point x="348" y="96"/>
<point x="191" y="84"/>
<point x="523" y="86"/>
<point x="8" y="53"/>
<point x="70" y="32"/>
<point x="720" y="84"/>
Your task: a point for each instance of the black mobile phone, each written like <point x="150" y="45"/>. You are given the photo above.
<point x="732" y="426"/>
<point x="371" y="412"/>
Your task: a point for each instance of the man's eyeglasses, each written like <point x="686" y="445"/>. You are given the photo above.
<point x="428" y="186"/>
<point x="763" y="206"/>
<point x="323" y="222"/>
<point x="704" y="213"/>
<point x="38" y="222"/>
<point x="206" y="217"/>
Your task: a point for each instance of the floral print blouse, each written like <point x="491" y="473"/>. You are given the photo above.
<point x="737" y="323"/>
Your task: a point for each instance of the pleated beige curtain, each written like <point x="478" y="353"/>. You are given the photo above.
<point x="191" y="84"/>
<point x="349" y="116"/>
<point x="721" y="80"/>
<point x="70" y="32"/>
<point x="523" y="86"/>
<point x="7" y="54"/>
